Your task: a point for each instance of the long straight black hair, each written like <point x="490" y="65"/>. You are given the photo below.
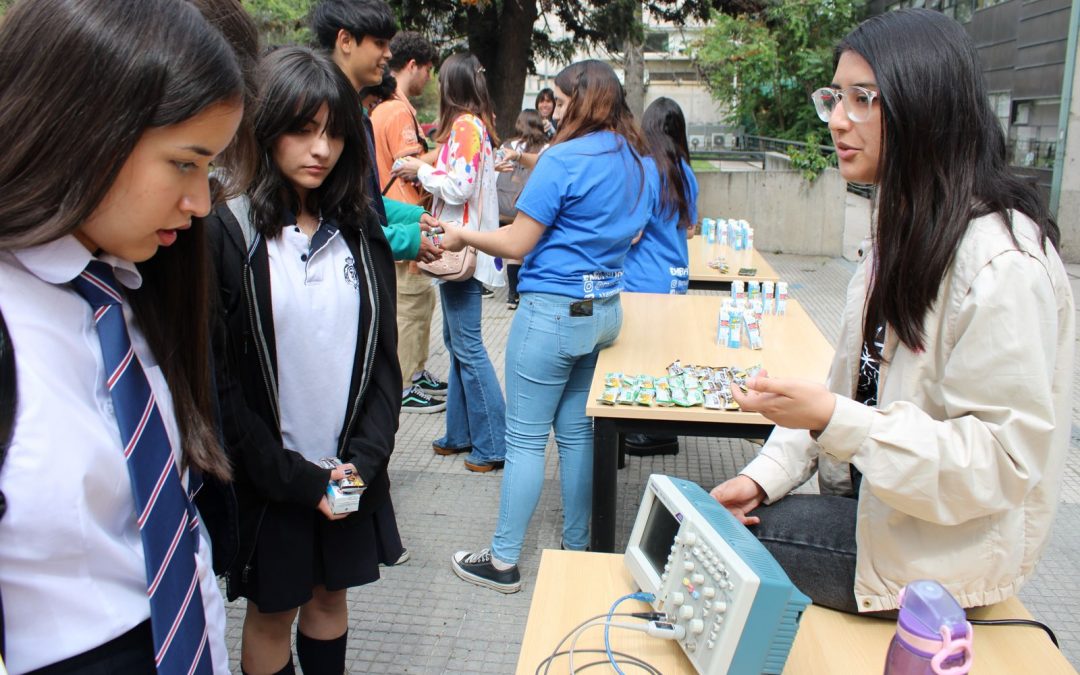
<point x="72" y="108"/>
<point x="296" y="82"/>
<point x="664" y="128"/>
<point x="942" y="164"/>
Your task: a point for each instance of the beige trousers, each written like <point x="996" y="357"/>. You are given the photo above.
<point x="415" y="305"/>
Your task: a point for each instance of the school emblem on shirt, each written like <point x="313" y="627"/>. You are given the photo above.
<point x="351" y="277"/>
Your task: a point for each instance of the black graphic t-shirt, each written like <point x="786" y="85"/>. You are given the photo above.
<point x="866" y="390"/>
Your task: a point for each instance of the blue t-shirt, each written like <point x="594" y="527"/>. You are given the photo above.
<point x="660" y="261"/>
<point x="594" y="195"/>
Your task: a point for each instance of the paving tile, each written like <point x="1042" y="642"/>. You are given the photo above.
<point x="421" y="619"/>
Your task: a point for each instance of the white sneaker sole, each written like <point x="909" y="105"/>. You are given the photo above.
<point x="438" y="407"/>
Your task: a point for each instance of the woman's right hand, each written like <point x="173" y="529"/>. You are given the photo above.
<point x="547" y="126"/>
<point x="740" y="495"/>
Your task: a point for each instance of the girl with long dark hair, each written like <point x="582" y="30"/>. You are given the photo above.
<point x="659" y="262"/>
<point x="941" y="436"/>
<point x="103" y="289"/>
<point x="463" y="184"/>
<point x="545" y="105"/>
<point x="587" y="198"/>
<point x="306" y="366"/>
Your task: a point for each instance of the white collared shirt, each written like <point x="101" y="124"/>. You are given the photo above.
<point x="72" y="571"/>
<point x="316" y="304"/>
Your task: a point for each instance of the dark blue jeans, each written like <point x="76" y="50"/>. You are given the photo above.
<point x="813" y="539"/>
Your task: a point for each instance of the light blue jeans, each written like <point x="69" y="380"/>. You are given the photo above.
<point x="475" y="409"/>
<point x="550" y="359"/>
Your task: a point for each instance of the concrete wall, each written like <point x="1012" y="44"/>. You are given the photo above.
<point x="787" y="213"/>
<point x="1068" y="214"/>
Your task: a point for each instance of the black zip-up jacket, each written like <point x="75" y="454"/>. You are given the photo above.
<point x="246" y="374"/>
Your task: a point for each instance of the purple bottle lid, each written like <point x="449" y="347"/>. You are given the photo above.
<point x="925" y="606"/>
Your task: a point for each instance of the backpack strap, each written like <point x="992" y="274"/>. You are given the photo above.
<point x="8" y="400"/>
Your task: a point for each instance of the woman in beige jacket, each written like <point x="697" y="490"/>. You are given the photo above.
<point x="940" y="438"/>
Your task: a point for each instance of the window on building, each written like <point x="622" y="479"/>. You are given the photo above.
<point x="1001" y="103"/>
<point x="656" y="41"/>
<point x="1033" y="132"/>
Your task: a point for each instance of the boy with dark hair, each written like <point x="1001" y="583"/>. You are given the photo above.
<point x="397" y="134"/>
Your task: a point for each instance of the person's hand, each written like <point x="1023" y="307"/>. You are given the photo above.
<point x="428" y="222"/>
<point x="548" y="129"/>
<point x="740" y="495"/>
<point x="324" y="508"/>
<point x="453" y="238"/>
<point x="338" y="472"/>
<point x="505" y="166"/>
<point x="789" y="402"/>
<point x="429" y="252"/>
<point x="407" y="168"/>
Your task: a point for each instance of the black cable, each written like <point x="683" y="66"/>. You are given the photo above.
<point x="1018" y="622"/>
<point x="627" y="658"/>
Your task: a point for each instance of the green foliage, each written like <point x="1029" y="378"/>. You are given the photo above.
<point x="765" y="64"/>
<point x="281" y="22"/>
<point x="809" y="159"/>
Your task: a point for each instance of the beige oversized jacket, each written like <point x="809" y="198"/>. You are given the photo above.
<point x="962" y="460"/>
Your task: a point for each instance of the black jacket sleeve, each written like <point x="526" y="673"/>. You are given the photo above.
<point x="372" y="439"/>
<point x="248" y="422"/>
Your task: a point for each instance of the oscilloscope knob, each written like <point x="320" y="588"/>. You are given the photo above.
<point x="677" y="599"/>
<point x="689" y="539"/>
<point x="697" y="626"/>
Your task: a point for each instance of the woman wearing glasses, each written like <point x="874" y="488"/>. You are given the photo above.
<point x="940" y="440"/>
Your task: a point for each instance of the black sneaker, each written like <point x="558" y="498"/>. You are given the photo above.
<point x="486" y="292"/>
<point x="476" y="568"/>
<point x="429" y="384"/>
<point x="416" y="401"/>
<point x="645" y="445"/>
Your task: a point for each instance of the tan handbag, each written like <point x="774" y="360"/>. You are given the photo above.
<point x="452" y="266"/>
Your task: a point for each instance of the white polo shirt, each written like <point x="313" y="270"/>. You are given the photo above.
<point x="72" y="571"/>
<point x="315" y="296"/>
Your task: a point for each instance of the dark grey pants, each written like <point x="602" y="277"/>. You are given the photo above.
<point x="813" y="539"/>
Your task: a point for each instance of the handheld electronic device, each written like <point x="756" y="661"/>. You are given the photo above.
<point x="715" y="579"/>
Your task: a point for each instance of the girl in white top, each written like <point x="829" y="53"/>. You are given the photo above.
<point x="131" y="102"/>
<point x="463" y="184"/>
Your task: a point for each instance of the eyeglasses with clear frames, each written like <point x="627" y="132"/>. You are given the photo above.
<point x="858" y="102"/>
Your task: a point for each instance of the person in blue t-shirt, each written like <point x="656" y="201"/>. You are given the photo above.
<point x="659" y="261"/>
<point x="586" y="200"/>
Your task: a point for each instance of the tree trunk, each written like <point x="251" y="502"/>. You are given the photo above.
<point x="634" y="77"/>
<point x="503" y="44"/>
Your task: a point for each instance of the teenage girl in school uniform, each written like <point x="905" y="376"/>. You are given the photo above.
<point x="109" y="128"/>
<point x="307" y="366"/>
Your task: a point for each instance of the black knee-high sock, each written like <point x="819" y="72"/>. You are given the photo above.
<point x="321" y="657"/>
<point x="512" y="279"/>
<point x="287" y="670"/>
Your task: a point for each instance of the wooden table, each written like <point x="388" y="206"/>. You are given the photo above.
<point x="703" y="276"/>
<point x="573" y="586"/>
<point x="656" y="330"/>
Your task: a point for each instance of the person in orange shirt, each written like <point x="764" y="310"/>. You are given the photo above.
<point x="397" y="134"/>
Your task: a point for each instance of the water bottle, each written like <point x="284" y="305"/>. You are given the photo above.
<point x="709" y="225"/>
<point x="932" y="636"/>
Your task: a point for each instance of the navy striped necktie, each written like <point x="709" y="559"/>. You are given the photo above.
<point x="167" y="520"/>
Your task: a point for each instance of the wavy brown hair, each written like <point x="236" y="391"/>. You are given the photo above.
<point x="530" y="129"/>
<point x="463" y="91"/>
<point x="597" y="103"/>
